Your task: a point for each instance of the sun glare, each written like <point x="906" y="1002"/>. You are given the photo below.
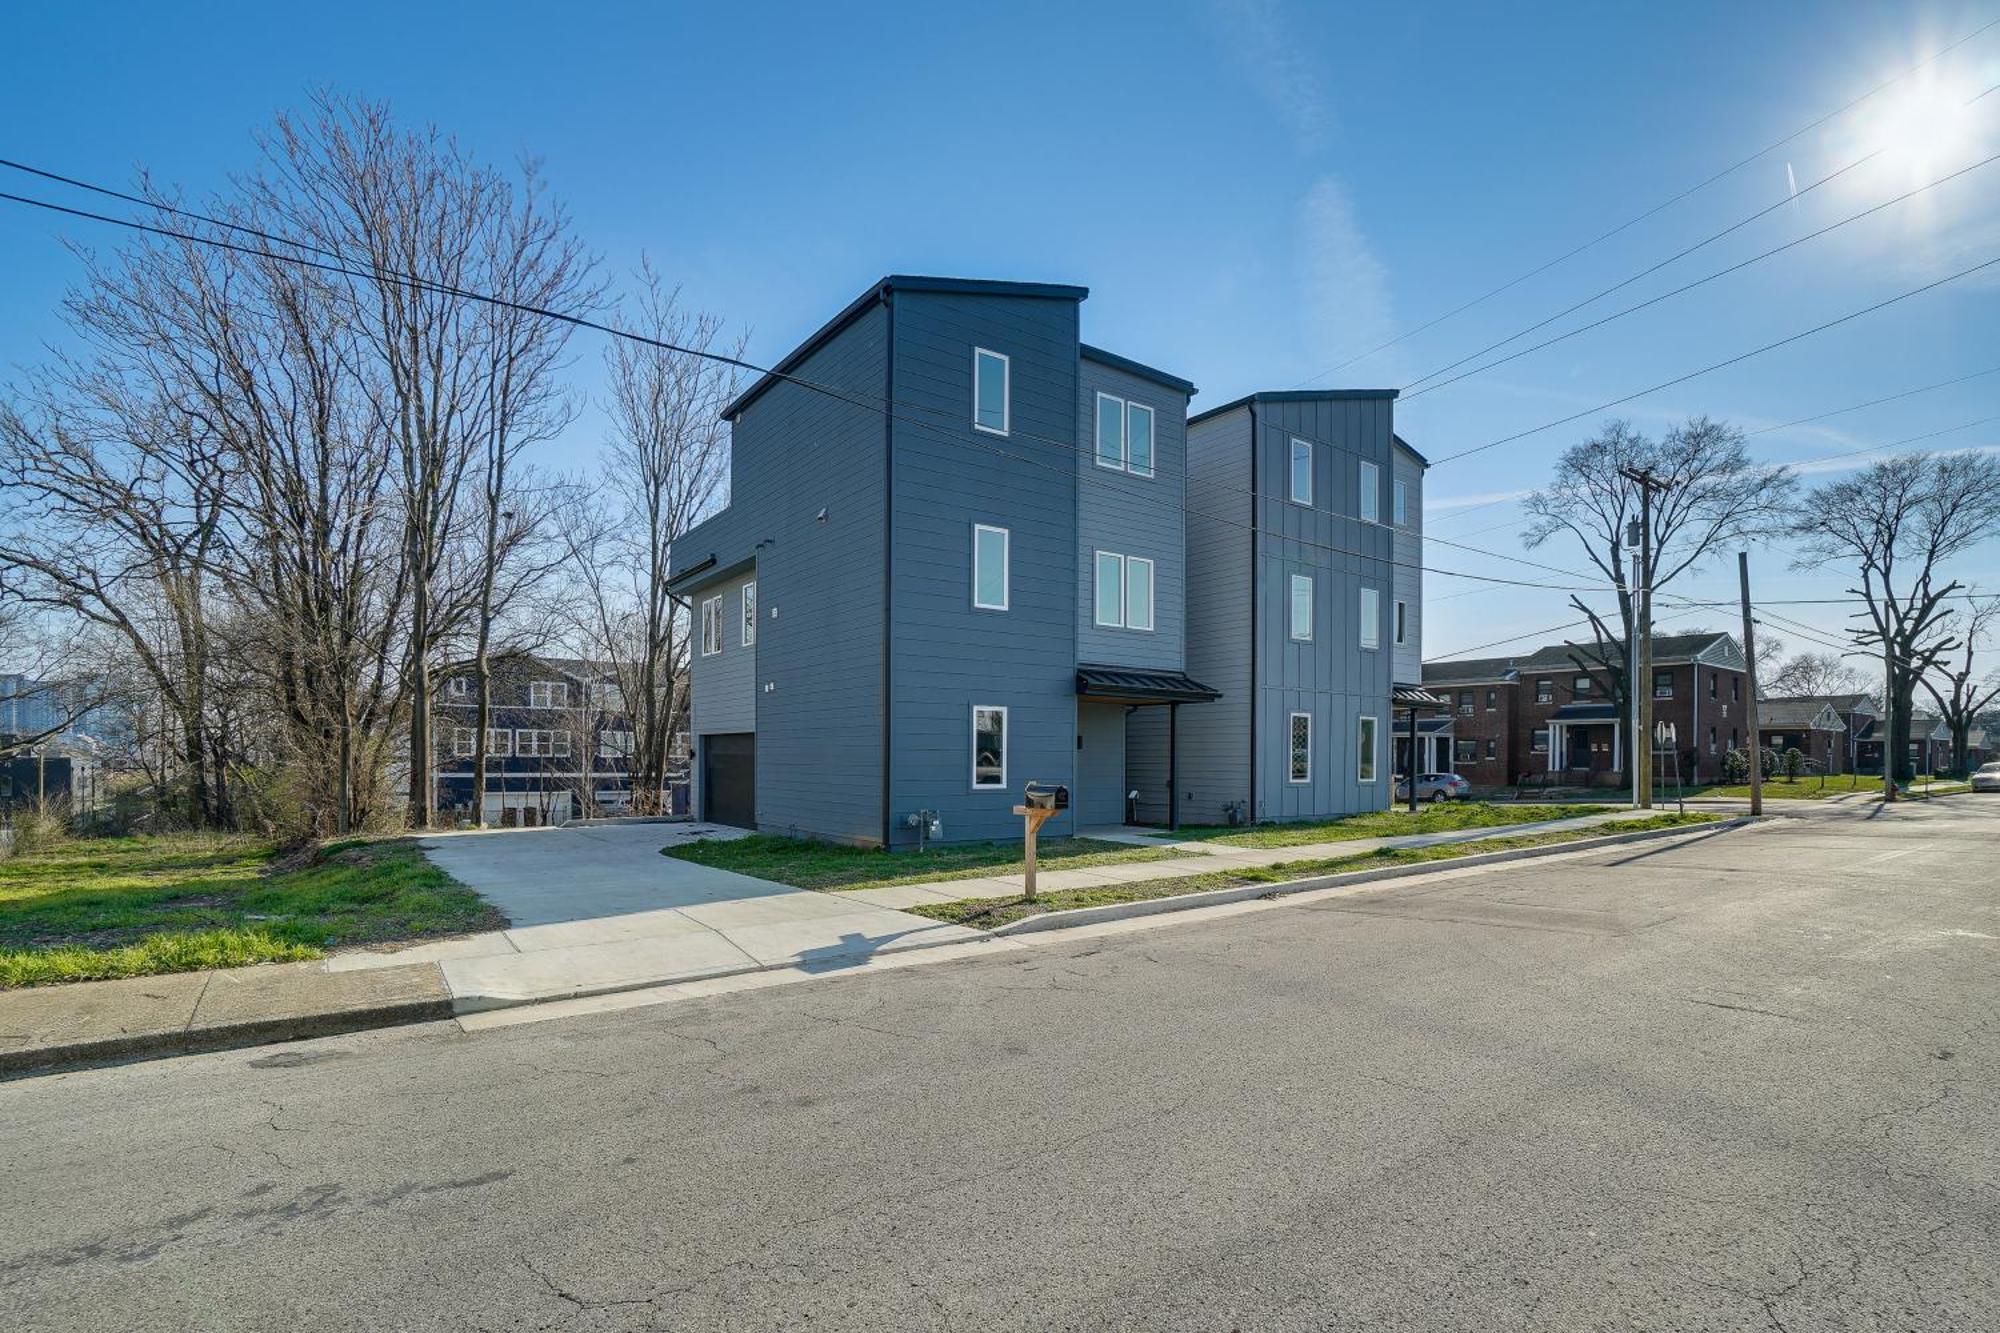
<point x="1929" y="126"/>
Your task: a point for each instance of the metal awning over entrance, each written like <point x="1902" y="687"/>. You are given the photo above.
<point x="1125" y="685"/>
<point x="1415" y="696"/>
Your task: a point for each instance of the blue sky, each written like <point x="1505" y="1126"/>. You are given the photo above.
<point x="1254" y="192"/>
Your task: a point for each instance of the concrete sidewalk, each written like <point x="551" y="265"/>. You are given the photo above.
<point x="1206" y="858"/>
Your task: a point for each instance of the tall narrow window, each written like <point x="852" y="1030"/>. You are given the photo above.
<point x="749" y="614"/>
<point x="989" y="567"/>
<point x="1402" y="622"/>
<point x="990" y="374"/>
<point x="1371" y="617"/>
<point x="1139" y="439"/>
<point x="1371" y="493"/>
<point x="1138" y="593"/>
<point x="1110" y="590"/>
<point x="711" y="626"/>
<point x="1110" y="431"/>
<point x="989" y="747"/>
<point x="1399" y="502"/>
<point x="1302" y="607"/>
<point x="1364" y="749"/>
<point x="1302" y="472"/>
<point x="1302" y="747"/>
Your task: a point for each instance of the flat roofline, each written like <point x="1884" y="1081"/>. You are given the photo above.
<point x="1299" y="396"/>
<point x="909" y="282"/>
<point x="1138" y="368"/>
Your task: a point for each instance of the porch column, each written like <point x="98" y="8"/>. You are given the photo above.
<point x="1617" y="748"/>
<point x="1555" y="745"/>
<point x="1173" y="765"/>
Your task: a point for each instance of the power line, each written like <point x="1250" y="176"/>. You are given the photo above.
<point x="1660" y="207"/>
<point x="883" y="404"/>
<point x="1409" y="391"/>
<point x="1874" y="402"/>
<point x="1720" y="365"/>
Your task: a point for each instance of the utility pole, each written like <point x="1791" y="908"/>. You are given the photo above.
<point x="1750" y="688"/>
<point x="1642" y="614"/>
<point x="1888" y="720"/>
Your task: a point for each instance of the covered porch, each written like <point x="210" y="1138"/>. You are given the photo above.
<point x="1119" y="750"/>
<point x="1586" y="738"/>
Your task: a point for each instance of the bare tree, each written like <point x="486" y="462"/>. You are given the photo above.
<point x="1813" y="674"/>
<point x="668" y="466"/>
<point x="1902" y="521"/>
<point x="1716" y="495"/>
<point x="1959" y="695"/>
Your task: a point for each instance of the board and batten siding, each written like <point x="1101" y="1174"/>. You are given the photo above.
<point x="1214" y="737"/>
<point x="1408" y="548"/>
<point x="1132" y="515"/>
<point x="1331" y="677"/>
<point x="819" y="661"/>
<point x="947" y="656"/>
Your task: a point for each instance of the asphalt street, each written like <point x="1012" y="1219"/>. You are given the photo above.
<point x="1743" y="1083"/>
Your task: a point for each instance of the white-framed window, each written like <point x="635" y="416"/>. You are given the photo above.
<point x="711" y="626"/>
<point x="548" y="694"/>
<point x="1110" y="432"/>
<point x="1301" y="737"/>
<point x="1301" y="603"/>
<point x="462" y="741"/>
<point x="614" y="744"/>
<point x="1139" y="439"/>
<point x="989" y="747"/>
<point x="1301" y="492"/>
<point x="1371" y="492"/>
<point x="750" y="613"/>
<point x="1402" y="622"/>
<point x="1364" y="749"/>
<point x="606" y="696"/>
<point x="990" y="582"/>
<point x="540" y="744"/>
<point x="1399" y="502"/>
<point x="458" y="687"/>
<point x="1371" y="617"/>
<point x="1122" y="592"/>
<point x="499" y="743"/>
<point x="991" y="391"/>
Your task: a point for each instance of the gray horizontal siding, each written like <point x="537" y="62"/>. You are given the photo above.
<point x="1215" y="737"/>
<point x="1134" y="516"/>
<point x="1408" y="549"/>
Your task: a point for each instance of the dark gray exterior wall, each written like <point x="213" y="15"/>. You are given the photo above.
<point x="723" y="691"/>
<point x="1408" y="656"/>
<point x="1214" y="737"/>
<point x="1132" y="515"/>
<point x="945" y="655"/>
<point x="1332" y="677"/>
<point x="820" y="655"/>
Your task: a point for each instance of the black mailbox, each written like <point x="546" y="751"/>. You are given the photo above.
<point x="1046" y="796"/>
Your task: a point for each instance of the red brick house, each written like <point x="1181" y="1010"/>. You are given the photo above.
<point x="1520" y="719"/>
<point x="1825" y="728"/>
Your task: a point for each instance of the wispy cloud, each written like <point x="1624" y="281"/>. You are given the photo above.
<point x="1823" y="465"/>
<point x="1447" y="504"/>
<point x="1258" y="37"/>
<point x="1346" y="306"/>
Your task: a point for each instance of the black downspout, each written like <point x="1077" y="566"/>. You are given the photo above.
<point x="1250" y="811"/>
<point x="1174" y="765"/>
<point x="888" y="541"/>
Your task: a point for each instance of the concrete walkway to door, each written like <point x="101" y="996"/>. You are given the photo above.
<point x="598" y="909"/>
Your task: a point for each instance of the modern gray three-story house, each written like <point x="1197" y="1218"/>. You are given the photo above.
<point x="956" y="558"/>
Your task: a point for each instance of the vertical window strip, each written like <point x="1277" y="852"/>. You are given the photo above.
<point x="1138" y="593"/>
<point x="1364" y="749"/>
<point x="749" y="614"/>
<point x="1139" y="439"/>
<point x="991" y="577"/>
<point x="1110" y="432"/>
<point x="1110" y="590"/>
<point x="1301" y="747"/>
<point x="989" y="747"/>
<point x="1301" y="627"/>
<point x="1370" y="507"/>
<point x="1301" y="491"/>
<point x="991" y="391"/>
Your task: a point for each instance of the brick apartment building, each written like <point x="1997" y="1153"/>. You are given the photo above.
<point x="1825" y="728"/>
<point x="1515" y="719"/>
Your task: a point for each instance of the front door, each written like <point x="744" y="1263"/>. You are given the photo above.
<point x="729" y="779"/>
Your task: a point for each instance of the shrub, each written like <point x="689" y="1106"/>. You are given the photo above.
<point x="1735" y="767"/>
<point x="1795" y="764"/>
<point x="38" y="827"/>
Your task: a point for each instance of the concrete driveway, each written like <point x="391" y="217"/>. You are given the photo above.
<point x="597" y="908"/>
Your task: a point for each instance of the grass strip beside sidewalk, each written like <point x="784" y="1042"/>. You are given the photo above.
<point x="989" y="913"/>
<point x="93" y="908"/>
<point x="806" y="864"/>
<point x="1396" y="822"/>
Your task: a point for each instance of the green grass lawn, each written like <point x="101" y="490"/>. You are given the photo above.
<point x="121" y="907"/>
<point x="807" y="864"/>
<point x="1443" y="817"/>
<point x="1805" y="789"/>
<point x="988" y="913"/>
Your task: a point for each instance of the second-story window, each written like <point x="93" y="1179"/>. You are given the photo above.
<point x="1545" y="691"/>
<point x="1465" y="703"/>
<point x="989" y="567"/>
<point x="1124" y="435"/>
<point x="991" y="372"/>
<point x="1371" y="492"/>
<point x="614" y="745"/>
<point x="1302" y="608"/>
<point x="749" y="614"/>
<point x="1301" y="492"/>
<point x="459" y="687"/>
<point x="1402" y="621"/>
<point x="1580" y="686"/>
<point x="1139" y="439"/>
<point x="711" y="626"/>
<point x="1399" y="503"/>
<point x="1371" y="617"/>
<point x="1124" y="591"/>
<point x="1663" y="684"/>
<point x="548" y="694"/>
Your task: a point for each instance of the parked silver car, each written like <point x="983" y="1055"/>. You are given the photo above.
<point x="1435" y="787"/>
<point x="1987" y="777"/>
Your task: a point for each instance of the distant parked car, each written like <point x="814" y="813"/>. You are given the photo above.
<point x="1435" y="787"/>
<point x="1987" y="777"/>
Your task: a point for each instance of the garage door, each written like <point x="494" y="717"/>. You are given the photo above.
<point x="729" y="779"/>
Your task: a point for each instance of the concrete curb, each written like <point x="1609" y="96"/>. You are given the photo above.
<point x="1086" y="916"/>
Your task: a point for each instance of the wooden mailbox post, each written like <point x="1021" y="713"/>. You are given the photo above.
<point x="1039" y="802"/>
